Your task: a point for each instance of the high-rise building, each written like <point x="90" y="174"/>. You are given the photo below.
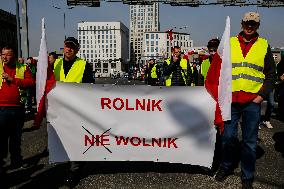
<point x="105" y="45"/>
<point x="158" y="45"/>
<point x="143" y="18"/>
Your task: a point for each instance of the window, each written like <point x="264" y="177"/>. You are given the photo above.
<point x="152" y="36"/>
<point x="98" y="70"/>
<point x="105" y="65"/>
<point x="105" y="70"/>
<point x="147" y="36"/>
<point x="113" y="65"/>
<point x="98" y="65"/>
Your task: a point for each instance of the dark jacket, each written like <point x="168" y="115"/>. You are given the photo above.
<point x="280" y="72"/>
<point x="149" y="79"/>
<point x="175" y="69"/>
<point x="88" y="73"/>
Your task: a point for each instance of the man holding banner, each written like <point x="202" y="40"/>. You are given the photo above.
<point x="73" y="69"/>
<point x="253" y="71"/>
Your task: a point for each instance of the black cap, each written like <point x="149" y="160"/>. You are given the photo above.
<point x="72" y="40"/>
<point x="53" y="54"/>
<point x="213" y="43"/>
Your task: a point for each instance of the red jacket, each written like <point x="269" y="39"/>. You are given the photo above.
<point x="9" y="92"/>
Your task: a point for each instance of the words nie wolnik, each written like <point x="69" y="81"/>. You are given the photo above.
<point x="102" y="140"/>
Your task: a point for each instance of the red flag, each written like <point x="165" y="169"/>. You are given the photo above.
<point x="219" y="79"/>
<point x="212" y="84"/>
<point x="170" y="32"/>
<point x="41" y="111"/>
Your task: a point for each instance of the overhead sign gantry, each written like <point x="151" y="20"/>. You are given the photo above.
<point x="190" y="3"/>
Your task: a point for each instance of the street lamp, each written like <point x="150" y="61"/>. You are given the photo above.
<point x="64" y="17"/>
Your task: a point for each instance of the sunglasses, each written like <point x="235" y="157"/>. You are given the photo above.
<point x="212" y="50"/>
<point x="250" y="24"/>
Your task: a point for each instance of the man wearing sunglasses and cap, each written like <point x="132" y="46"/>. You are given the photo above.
<point x="253" y="72"/>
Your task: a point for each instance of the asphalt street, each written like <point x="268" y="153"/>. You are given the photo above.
<point x="38" y="173"/>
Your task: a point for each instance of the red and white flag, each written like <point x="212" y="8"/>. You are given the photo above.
<point x="44" y="79"/>
<point x="219" y="79"/>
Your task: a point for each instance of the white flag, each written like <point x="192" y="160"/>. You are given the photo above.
<point x="225" y="79"/>
<point x="42" y="65"/>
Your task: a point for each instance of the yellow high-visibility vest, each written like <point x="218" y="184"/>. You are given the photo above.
<point x="75" y="74"/>
<point x="153" y="72"/>
<point x="20" y="74"/>
<point x="247" y="73"/>
<point x="183" y="65"/>
<point x="205" y="67"/>
<point x="20" y="70"/>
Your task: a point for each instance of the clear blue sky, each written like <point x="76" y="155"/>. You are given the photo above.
<point x="203" y="22"/>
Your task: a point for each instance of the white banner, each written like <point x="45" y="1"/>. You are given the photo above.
<point x="130" y="123"/>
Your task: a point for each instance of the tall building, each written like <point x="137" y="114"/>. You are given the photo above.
<point x="105" y="45"/>
<point x="143" y="18"/>
<point x="8" y="29"/>
<point x="158" y="45"/>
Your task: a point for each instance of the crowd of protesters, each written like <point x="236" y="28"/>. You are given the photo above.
<point x="249" y="52"/>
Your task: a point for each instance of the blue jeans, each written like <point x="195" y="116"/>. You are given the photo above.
<point x="11" y="124"/>
<point x="250" y="114"/>
<point x="270" y="106"/>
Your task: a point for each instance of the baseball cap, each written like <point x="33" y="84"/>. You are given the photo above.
<point x="72" y="40"/>
<point x="251" y="16"/>
<point x="213" y="43"/>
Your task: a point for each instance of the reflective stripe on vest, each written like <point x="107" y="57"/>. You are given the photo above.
<point x="183" y="65"/>
<point x="247" y="73"/>
<point x="75" y="74"/>
<point x="153" y="72"/>
<point x="205" y="67"/>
